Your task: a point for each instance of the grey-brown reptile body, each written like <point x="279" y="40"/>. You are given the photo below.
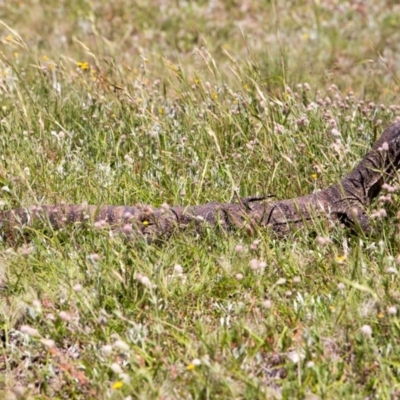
<point x="345" y="201"/>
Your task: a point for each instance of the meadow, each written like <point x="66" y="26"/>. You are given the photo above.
<point x="182" y="103"/>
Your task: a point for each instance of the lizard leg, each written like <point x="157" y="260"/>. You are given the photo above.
<point x="356" y="217"/>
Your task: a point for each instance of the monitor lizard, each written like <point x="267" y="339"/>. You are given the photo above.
<point x="345" y="201"/>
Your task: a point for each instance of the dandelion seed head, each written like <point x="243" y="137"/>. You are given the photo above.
<point x="267" y="304"/>
<point x="121" y="345"/>
<point x="77" y="288"/>
<point x="335" y="132"/>
<point x="37" y="305"/>
<point x="178" y="269"/>
<point x="303" y="121"/>
<point x="323" y="241"/>
<point x="254" y="264"/>
<point x="253" y="247"/>
<point x="239" y="248"/>
<point x="310" y="364"/>
<point x="94" y="257"/>
<point x="127" y="215"/>
<point x="48" y="343"/>
<point x="33" y="332"/>
<point x="366" y="330"/>
<point x="125" y="379"/>
<point x="392" y="310"/>
<point x="144" y="280"/>
<point x="341" y="286"/>
<point x="375" y="214"/>
<point x="26" y="250"/>
<point x="165" y="206"/>
<point x="278" y="128"/>
<point x="50" y="317"/>
<point x="19" y="391"/>
<point x="263" y="264"/>
<point x="66" y="317"/>
<point x="127" y="229"/>
<point x="128" y="159"/>
<point x="116" y="368"/>
<point x="107" y="349"/>
<point x="295" y="356"/>
<point x="97" y="225"/>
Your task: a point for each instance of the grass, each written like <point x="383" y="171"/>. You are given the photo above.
<point x="185" y="103"/>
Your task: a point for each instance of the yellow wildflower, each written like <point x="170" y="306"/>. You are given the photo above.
<point x="340" y="259"/>
<point x="117" y="385"/>
<point x="84" y="66"/>
<point x="195" y="363"/>
<point x="314" y="176"/>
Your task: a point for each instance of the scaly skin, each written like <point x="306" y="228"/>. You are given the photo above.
<point x="345" y="201"/>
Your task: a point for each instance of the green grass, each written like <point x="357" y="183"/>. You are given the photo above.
<point x="183" y="103"/>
